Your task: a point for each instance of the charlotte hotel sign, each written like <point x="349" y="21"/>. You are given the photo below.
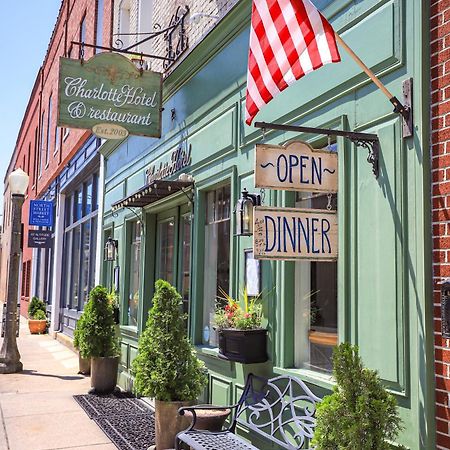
<point x="179" y="159"/>
<point x="109" y="95"/>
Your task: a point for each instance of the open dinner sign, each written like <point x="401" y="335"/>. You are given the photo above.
<point x="295" y="234"/>
<point x="296" y="167"/>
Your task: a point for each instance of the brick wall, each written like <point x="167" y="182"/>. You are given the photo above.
<point x="440" y="154"/>
<point x="30" y="152"/>
<point x="142" y="16"/>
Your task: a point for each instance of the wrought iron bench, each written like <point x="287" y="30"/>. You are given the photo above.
<point x="281" y="410"/>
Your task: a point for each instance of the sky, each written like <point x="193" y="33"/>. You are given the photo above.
<point x="24" y="37"/>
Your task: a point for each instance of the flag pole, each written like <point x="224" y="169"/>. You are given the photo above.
<point x="398" y="106"/>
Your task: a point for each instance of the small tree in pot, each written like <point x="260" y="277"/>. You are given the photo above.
<point x="166" y="367"/>
<point x="360" y="414"/>
<point x="95" y="337"/>
<point x="37" y="317"/>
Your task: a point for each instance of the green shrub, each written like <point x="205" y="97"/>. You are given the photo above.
<point x="167" y="367"/>
<point x="360" y="414"/>
<point x="36" y="305"/>
<point x="95" y="331"/>
<point x="40" y="315"/>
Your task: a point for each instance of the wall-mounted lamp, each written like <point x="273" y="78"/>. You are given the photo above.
<point x="244" y="213"/>
<point x="111" y="248"/>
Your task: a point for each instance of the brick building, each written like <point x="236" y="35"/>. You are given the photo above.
<point x="440" y="154"/>
<point x="47" y="152"/>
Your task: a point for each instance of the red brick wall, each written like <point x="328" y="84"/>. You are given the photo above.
<point x="27" y="153"/>
<point x="440" y="154"/>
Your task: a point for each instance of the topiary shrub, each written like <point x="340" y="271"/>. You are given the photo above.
<point x="95" y="334"/>
<point x="166" y="367"/>
<point x="360" y="414"/>
<point x="40" y="315"/>
<point x="36" y="305"/>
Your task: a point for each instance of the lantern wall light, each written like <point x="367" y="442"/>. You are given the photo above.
<point x="111" y="248"/>
<point x="244" y="213"/>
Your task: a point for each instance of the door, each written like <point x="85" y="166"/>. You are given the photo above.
<point x="173" y="250"/>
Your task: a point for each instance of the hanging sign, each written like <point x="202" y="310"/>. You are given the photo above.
<point x="39" y="239"/>
<point x="110" y="95"/>
<point x="295" y="234"/>
<point x="41" y="213"/>
<point x="296" y="167"/>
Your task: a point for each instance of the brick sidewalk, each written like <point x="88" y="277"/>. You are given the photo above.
<point x="37" y="411"/>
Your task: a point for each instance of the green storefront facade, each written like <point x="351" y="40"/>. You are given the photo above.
<point x="381" y="282"/>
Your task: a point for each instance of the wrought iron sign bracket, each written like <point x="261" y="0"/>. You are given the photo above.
<point x="172" y="51"/>
<point x="366" y="140"/>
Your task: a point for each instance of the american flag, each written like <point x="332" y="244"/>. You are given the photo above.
<point x="288" y="39"/>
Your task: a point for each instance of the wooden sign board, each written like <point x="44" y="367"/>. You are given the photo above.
<point x="110" y="95"/>
<point x="292" y="234"/>
<point x="296" y="167"/>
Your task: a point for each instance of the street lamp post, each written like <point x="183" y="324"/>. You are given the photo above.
<point x="9" y="354"/>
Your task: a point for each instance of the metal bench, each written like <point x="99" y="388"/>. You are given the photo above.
<point x="281" y="410"/>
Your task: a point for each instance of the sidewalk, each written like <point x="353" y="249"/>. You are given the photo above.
<point x="37" y="411"/>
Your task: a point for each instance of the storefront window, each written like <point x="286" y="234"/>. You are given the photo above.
<point x="135" y="273"/>
<point x="315" y="302"/>
<point x="166" y="251"/>
<point x="185" y="284"/>
<point x="217" y="255"/>
<point x="79" y="244"/>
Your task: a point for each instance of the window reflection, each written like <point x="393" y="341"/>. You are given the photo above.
<point x="135" y="273"/>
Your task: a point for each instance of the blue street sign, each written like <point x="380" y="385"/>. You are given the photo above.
<point x="41" y="213"/>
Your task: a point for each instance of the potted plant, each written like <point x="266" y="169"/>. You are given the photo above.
<point x="95" y="338"/>
<point x="368" y="415"/>
<point x="241" y="337"/>
<point x="84" y="364"/>
<point x="166" y="367"/>
<point x="37" y="317"/>
<point x="115" y="306"/>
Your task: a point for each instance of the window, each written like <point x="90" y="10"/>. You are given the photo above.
<point x="135" y="272"/>
<point x="82" y="35"/>
<point x="49" y="127"/>
<point x="80" y="237"/>
<point x="315" y="302"/>
<point x="99" y="25"/>
<point x="186" y="261"/>
<point x="166" y="233"/>
<point x="41" y="156"/>
<point x="217" y="255"/>
<point x="36" y="154"/>
<point x="57" y="140"/>
<point x="124" y="22"/>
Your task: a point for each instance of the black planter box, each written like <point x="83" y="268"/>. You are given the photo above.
<point x="244" y="346"/>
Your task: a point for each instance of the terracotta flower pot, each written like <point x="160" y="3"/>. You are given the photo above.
<point x="37" y="326"/>
<point x="209" y="419"/>
<point x="168" y="423"/>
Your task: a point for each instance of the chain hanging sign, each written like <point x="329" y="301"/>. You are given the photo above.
<point x="109" y="95"/>
<point x="291" y="234"/>
<point x="296" y="167"/>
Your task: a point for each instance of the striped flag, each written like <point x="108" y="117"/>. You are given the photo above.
<point x="288" y="39"/>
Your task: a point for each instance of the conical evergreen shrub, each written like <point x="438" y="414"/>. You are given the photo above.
<point x="95" y="333"/>
<point x="166" y="367"/>
<point x="360" y="414"/>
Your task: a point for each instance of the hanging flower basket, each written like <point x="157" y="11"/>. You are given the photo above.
<point x="244" y="346"/>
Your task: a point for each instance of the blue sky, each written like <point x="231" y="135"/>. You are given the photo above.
<point x="24" y="36"/>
